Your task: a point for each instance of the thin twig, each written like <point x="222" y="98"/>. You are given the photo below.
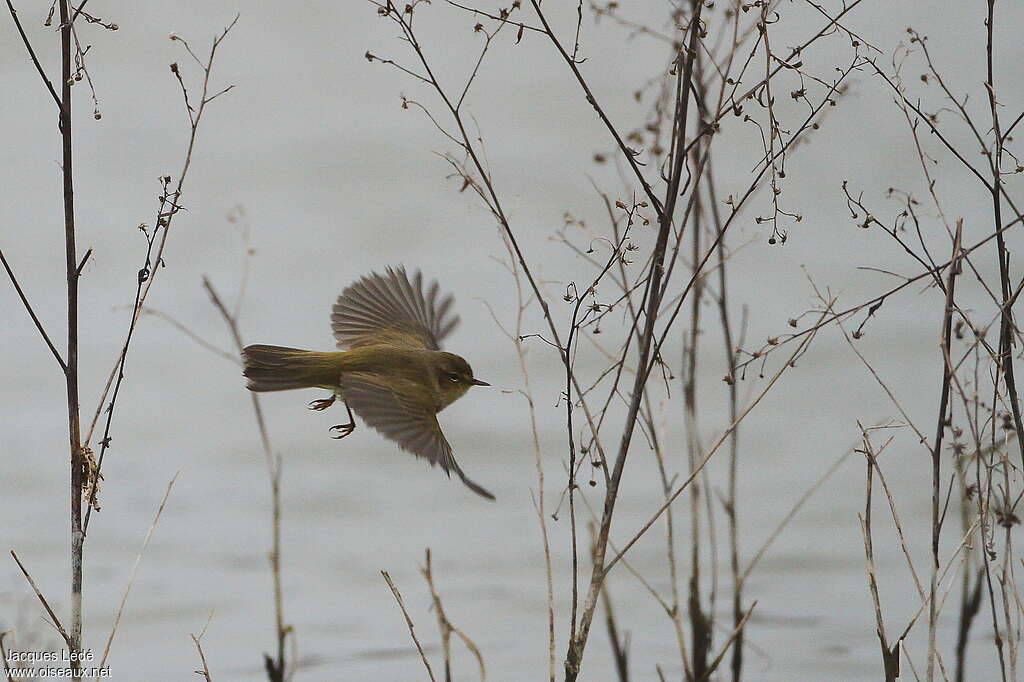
<point x="447" y="628"/>
<point x="408" y="622"/>
<point x="276" y="668"/>
<point x="890" y="658"/>
<point x="32" y="313"/>
<point x="759" y="554"/>
<point x="3" y="656"/>
<point x="516" y="338"/>
<point x="730" y="642"/>
<point x="32" y="54"/>
<point x="205" y="671"/>
<point x="230" y="357"/>
<point x="54" y="620"/>
<point x="710" y="453"/>
<point x="135" y="570"/>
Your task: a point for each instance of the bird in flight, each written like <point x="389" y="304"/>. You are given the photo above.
<point x="390" y="370"/>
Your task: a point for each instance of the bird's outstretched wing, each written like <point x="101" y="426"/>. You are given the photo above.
<point x="392" y="309"/>
<point x="414" y="427"/>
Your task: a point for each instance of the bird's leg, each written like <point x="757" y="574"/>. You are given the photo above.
<point x="322" y="403"/>
<point x="345" y="429"/>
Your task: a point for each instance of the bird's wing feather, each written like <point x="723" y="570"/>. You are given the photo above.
<point x="394" y="310"/>
<point x="401" y="419"/>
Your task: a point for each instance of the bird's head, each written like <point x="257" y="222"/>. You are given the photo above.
<point x="454" y="377"/>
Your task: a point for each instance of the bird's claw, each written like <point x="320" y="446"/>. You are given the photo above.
<point x="343" y="430"/>
<point x="322" y="403"/>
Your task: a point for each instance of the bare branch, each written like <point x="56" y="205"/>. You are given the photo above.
<point x="32" y="313"/>
<point x="408" y="622"/>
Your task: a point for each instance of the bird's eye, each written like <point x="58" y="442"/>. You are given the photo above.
<point x="453" y="377"/>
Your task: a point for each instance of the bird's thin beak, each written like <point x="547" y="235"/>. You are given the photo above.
<point x="477" y="382"/>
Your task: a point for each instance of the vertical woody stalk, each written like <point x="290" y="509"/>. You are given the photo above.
<point x="71" y="368"/>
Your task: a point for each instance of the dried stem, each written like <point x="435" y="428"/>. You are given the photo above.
<point x="35" y="60"/>
<point x="205" y="670"/>
<point x="447" y="629"/>
<point x="71" y="369"/>
<point x="1006" y="322"/>
<point x="517" y="340"/>
<point x="890" y="656"/>
<point x="619" y="642"/>
<point x="135" y="570"/>
<point x="54" y="620"/>
<point x="275" y="667"/>
<point x="408" y="622"/>
<point x="947" y="372"/>
<point x="3" y="656"/>
<point x="32" y="313"/>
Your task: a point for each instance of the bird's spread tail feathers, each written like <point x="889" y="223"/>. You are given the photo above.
<point x="276" y="368"/>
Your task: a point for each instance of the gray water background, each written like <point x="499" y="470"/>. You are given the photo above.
<point x="337" y="179"/>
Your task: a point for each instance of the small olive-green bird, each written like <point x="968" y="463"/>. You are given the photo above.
<point x="391" y="369"/>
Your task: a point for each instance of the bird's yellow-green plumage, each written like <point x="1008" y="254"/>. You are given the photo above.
<point x="391" y="371"/>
